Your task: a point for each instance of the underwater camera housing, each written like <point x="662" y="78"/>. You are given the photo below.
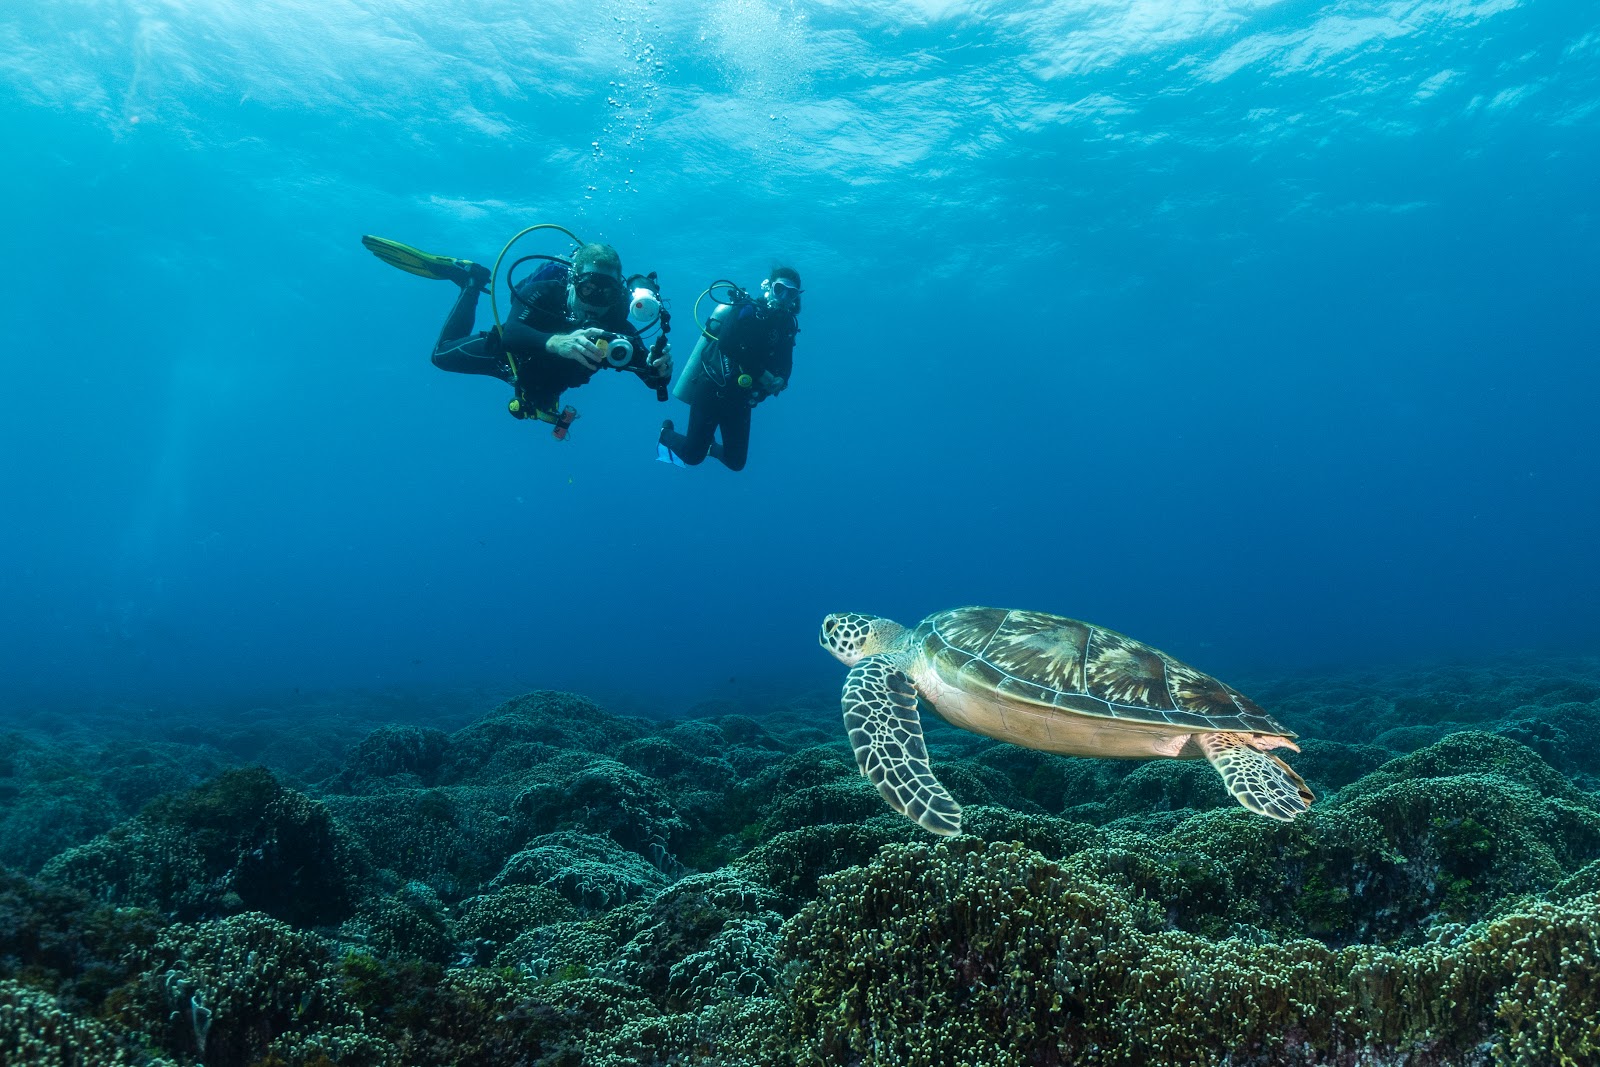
<point x="617" y="350"/>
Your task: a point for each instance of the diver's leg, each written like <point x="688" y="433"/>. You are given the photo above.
<point x="471" y="355"/>
<point x="735" y="434"/>
<point x="458" y="324"/>
<point x="462" y="351"/>
<point x="692" y="447"/>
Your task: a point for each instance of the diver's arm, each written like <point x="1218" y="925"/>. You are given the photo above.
<point x="523" y="340"/>
<point x="545" y="302"/>
<point x="777" y="365"/>
<point x="781" y="361"/>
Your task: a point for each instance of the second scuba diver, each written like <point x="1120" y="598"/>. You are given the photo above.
<point x="565" y="324"/>
<point x="745" y="354"/>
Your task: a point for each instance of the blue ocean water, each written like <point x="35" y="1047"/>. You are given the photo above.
<point x="1262" y="332"/>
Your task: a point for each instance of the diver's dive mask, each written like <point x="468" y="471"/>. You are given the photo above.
<point x="783" y="293"/>
<point x="596" y="289"/>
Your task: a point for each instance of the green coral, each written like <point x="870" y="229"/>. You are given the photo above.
<point x="793" y="863"/>
<point x="532" y="729"/>
<point x="591" y="871"/>
<point x="605" y="797"/>
<point x="519" y="895"/>
<point x="1382" y="860"/>
<point x="414" y="752"/>
<point x="967" y="952"/>
<point x="846" y="799"/>
<point x="704" y="938"/>
<point x="237" y="843"/>
<point x="454" y="838"/>
<point x="411" y="921"/>
<point x="501" y="917"/>
<point x="36" y="1030"/>
<point x="232" y="992"/>
<point x="41" y="817"/>
<point x="61" y="939"/>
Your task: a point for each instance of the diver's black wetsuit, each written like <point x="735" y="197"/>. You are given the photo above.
<point x="539" y="312"/>
<point x="757" y="341"/>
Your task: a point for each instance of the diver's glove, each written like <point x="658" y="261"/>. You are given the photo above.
<point x="768" y="384"/>
<point x="659" y="364"/>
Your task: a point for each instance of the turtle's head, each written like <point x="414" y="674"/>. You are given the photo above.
<point x="850" y="637"/>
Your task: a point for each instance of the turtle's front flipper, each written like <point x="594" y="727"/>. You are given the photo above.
<point x="880" y="714"/>
<point x="1262" y="782"/>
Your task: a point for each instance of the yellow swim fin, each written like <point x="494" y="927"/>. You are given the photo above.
<point x="425" y="264"/>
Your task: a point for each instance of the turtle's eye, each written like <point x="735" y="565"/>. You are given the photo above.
<point x="829" y="625"/>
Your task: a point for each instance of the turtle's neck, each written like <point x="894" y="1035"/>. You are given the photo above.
<point x="888" y="637"/>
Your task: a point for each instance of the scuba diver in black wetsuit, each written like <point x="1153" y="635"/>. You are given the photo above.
<point x="745" y="354"/>
<point x="566" y="323"/>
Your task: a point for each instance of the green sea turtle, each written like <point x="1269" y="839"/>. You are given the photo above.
<point x="1044" y="682"/>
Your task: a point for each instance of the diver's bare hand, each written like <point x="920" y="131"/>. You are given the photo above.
<point x="578" y="346"/>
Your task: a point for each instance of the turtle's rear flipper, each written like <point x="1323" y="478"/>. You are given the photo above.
<point x="880" y="714"/>
<point x="1262" y="782"/>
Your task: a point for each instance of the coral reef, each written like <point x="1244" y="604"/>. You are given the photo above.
<point x="591" y="871"/>
<point x="557" y="886"/>
<point x="241" y="842"/>
<point x="992" y="950"/>
<point x="36" y="1030"/>
<point x="246" y="989"/>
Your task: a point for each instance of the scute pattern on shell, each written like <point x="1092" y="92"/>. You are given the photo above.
<point x="1081" y="668"/>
